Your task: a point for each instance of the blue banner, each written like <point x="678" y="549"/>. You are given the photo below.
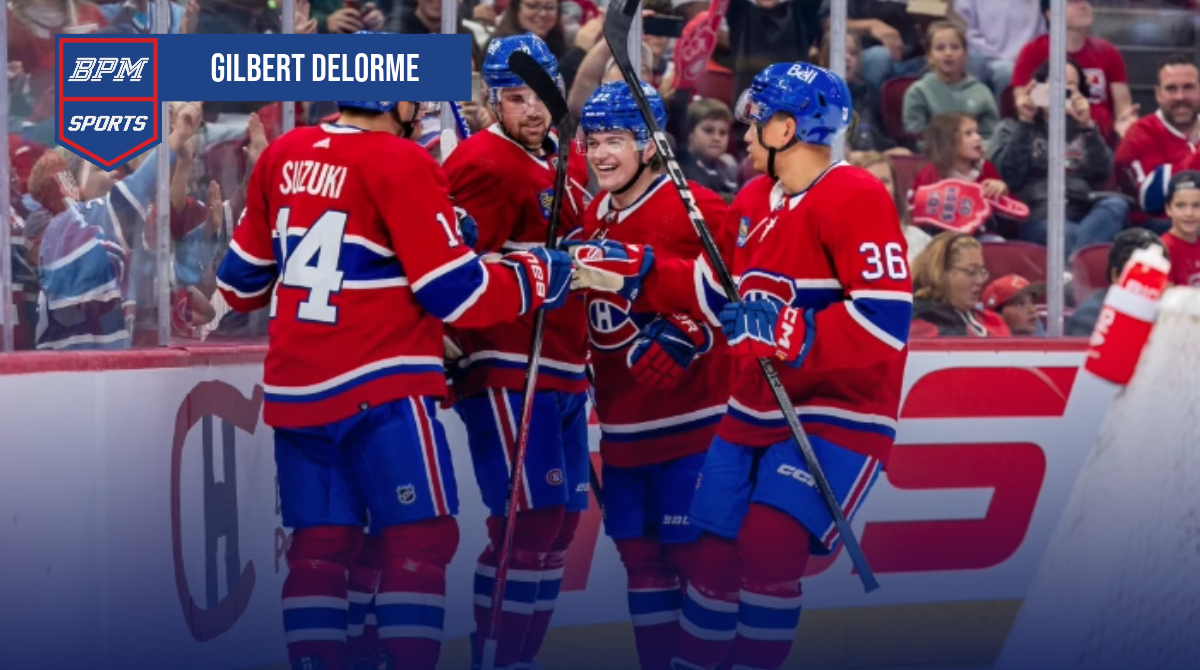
<point x="109" y="88"/>
<point x="315" y="67"/>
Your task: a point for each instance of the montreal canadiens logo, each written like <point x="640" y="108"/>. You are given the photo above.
<point x="554" y="477"/>
<point x="755" y="285"/>
<point x="609" y="323"/>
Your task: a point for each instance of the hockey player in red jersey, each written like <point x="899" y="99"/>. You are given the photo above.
<point x="661" y="382"/>
<point x="503" y="176"/>
<point x="361" y="267"/>
<point x="826" y="291"/>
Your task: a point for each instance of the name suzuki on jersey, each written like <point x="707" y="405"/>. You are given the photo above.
<point x="312" y="177"/>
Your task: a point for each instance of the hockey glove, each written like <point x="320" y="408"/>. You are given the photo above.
<point x="544" y="275"/>
<point x="665" y="348"/>
<point x="764" y="328"/>
<point x="604" y="265"/>
<point x="467" y="228"/>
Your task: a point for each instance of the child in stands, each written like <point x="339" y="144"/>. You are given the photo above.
<point x="947" y="87"/>
<point x="1183" y="206"/>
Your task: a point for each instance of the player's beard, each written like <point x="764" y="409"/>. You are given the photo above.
<point x="529" y="132"/>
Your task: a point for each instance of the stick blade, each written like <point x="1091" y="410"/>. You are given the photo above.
<point x="542" y="84"/>
<point x="618" y="21"/>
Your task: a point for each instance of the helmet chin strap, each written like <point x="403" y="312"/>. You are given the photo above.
<point x="641" y="168"/>
<point x="771" y="151"/>
<point x="410" y="126"/>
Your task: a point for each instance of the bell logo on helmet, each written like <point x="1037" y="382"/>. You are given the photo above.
<point x="804" y="74"/>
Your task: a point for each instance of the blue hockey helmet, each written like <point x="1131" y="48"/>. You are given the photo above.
<point x="496" y="73"/>
<point x="613" y="107"/>
<point x="368" y="105"/>
<point x="816" y="98"/>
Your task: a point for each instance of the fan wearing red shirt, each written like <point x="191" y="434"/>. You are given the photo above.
<point x="1183" y="206"/>
<point x="1112" y="105"/>
<point x="1163" y="143"/>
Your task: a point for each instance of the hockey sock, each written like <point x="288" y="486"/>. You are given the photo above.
<point x="549" y="586"/>
<point x="773" y="550"/>
<point x="362" y="636"/>
<point x="315" y="603"/>
<point x="708" y="621"/>
<point x="533" y="535"/>
<point x="654" y="600"/>
<point x="411" y="603"/>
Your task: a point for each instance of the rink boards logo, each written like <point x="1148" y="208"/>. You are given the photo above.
<point x="107" y="97"/>
<point x="221" y="411"/>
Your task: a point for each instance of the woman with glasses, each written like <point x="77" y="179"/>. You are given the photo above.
<point x="540" y="17"/>
<point x="948" y="279"/>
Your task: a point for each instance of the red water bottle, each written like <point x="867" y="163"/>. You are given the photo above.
<point x="1125" y="322"/>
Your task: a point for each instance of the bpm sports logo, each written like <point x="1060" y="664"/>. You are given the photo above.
<point x="107" y="97"/>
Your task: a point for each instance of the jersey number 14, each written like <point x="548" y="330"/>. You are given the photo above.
<point x="314" y="265"/>
<point x="322" y="242"/>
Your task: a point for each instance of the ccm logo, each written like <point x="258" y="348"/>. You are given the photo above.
<point x="94" y="69"/>
<point x="797" y="474"/>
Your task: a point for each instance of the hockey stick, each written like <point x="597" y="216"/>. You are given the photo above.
<point x="449" y="136"/>
<point x="547" y="90"/>
<point x="617" y="23"/>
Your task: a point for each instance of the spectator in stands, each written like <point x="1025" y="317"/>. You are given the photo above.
<point x="703" y="159"/>
<point x="882" y="168"/>
<point x="424" y="17"/>
<point x="140" y="17"/>
<point x="762" y="32"/>
<point x="955" y="150"/>
<point x="996" y="31"/>
<point x="334" y="16"/>
<point x="1102" y="65"/>
<point x="891" y="41"/>
<point x="1162" y="143"/>
<point x="540" y="17"/>
<point x="1020" y="151"/>
<point x="32" y="25"/>
<point x="1183" y="206"/>
<point x="1083" y="321"/>
<point x="948" y="278"/>
<point x="948" y="87"/>
<point x="1013" y="298"/>
<point x="867" y="131"/>
<point x="596" y="65"/>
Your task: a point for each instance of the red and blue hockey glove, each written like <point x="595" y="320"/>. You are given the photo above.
<point x="544" y="275"/>
<point x="665" y="348"/>
<point x="467" y="228"/>
<point x="604" y="265"/>
<point x="765" y="328"/>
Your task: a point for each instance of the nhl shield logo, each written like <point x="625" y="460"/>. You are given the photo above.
<point x="106" y="97"/>
<point x="743" y="231"/>
<point x="406" y="494"/>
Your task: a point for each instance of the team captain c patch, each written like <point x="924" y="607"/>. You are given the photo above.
<point x="106" y="97"/>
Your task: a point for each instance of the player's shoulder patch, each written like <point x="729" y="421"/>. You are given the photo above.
<point x="545" y="200"/>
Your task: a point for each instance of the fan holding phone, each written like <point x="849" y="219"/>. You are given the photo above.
<point x="1019" y="154"/>
<point x="353" y="16"/>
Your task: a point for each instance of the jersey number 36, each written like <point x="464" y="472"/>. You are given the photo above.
<point x="890" y="262"/>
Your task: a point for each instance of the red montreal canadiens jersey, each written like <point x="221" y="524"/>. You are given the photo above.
<point x="1185" y="260"/>
<point x="360" y="267"/>
<point x="508" y="192"/>
<point x="642" y="425"/>
<point x="837" y="249"/>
